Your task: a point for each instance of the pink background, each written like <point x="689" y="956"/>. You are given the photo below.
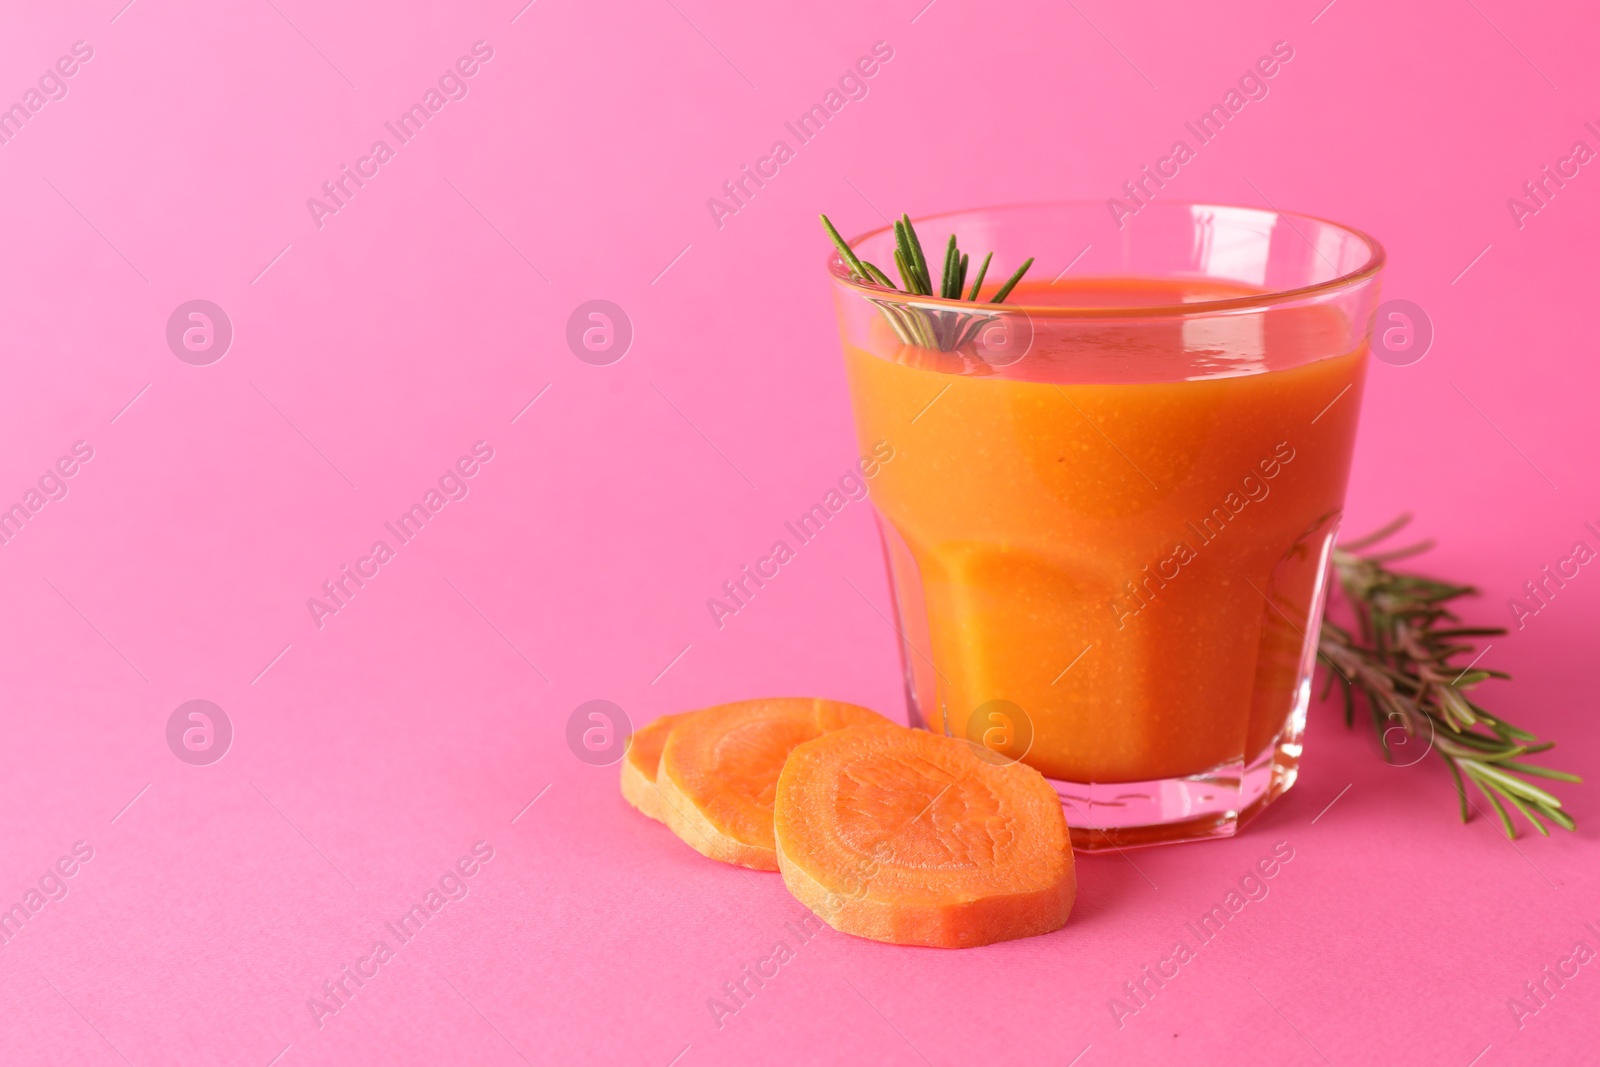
<point x="425" y="716"/>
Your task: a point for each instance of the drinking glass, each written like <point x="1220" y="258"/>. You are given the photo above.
<point x="1112" y="498"/>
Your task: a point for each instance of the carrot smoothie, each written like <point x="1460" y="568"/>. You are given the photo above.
<point x="1109" y="550"/>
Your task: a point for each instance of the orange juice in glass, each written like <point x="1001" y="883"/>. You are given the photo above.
<point x="1108" y="520"/>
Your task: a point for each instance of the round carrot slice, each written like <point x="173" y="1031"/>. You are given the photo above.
<point x="919" y="839"/>
<point x="639" y="765"/>
<point x="719" y="771"/>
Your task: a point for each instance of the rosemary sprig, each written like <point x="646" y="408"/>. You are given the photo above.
<point x="1401" y="664"/>
<point x="929" y="328"/>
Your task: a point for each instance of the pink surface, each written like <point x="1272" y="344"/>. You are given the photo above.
<point x="371" y="753"/>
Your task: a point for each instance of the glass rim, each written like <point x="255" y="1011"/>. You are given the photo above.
<point x="1376" y="259"/>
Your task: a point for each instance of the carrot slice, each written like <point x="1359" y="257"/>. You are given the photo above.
<point x="639" y="765"/>
<point x="719" y="771"/>
<point x="919" y="839"/>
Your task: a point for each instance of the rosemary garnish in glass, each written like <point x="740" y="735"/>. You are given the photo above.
<point x="928" y="327"/>
<point x="1401" y="665"/>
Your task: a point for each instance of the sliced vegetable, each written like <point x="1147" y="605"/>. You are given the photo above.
<point x="639" y="765"/>
<point x="914" y="838"/>
<point x="719" y="771"/>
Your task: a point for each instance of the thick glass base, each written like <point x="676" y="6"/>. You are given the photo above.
<point x="1120" y="815"/>
<point x="1211" y="802"/>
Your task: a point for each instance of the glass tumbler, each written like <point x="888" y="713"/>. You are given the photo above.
<point x="1112" y="498"/>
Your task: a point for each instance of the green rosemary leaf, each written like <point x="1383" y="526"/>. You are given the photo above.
<point x="904" y="261"/>
<point x="845" y="251"/>
<point x="970" y="328"/>
<point x="879" y="277"/>
<point x="1383" y="533"/>
<point x="977" y="283"/>
<point x="1512" y="731"/>
<point x="918" y="260"/>
<point x="903" y="328"/>
<point x="1511" y="785"/>
<point x="1526" y="814"/>
<point x="1403" y="553"/>
<point x="1455" y="706"/>
<point x="898" y="325"/>
<point x="902" y="245"/>
<point x="1011" y="282"/>
<point x="951" y="260"/>
<point x="1499" y="809"/>
<point x="1539" y="772"/>
<point x="907" y="274"/>
<point x="1461" y="788"/>
<point x="1466" y="744"/>
<point x="895" y="319"/>
<point x="902" y="249"/>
